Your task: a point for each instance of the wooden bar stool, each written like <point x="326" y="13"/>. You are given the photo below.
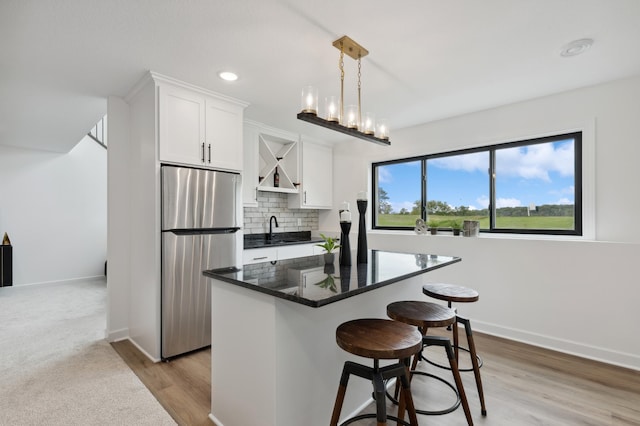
<point x="454" y="293"/>
<point x="378" y="339"/>
<point x="425" y="315"/>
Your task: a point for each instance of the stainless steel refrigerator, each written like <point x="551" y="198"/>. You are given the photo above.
<point x="200" y="224"/>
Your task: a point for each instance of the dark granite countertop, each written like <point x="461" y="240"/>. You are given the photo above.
<point x="311" y="282"/>
<point x="279" y="239"/>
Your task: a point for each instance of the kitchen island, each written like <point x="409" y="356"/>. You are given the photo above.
<point x="274" y="359"/>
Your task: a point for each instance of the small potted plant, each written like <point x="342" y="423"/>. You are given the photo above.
<point x="330" y="244"/>
<point x="456" y="226"/>
<point x="433" y="226"/>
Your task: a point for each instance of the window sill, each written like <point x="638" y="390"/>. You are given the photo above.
<point x="449" y="234"/>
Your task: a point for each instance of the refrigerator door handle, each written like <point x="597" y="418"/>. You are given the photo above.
<point x="203" y="231"/>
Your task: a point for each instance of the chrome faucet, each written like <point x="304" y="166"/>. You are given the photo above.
<point x="271" y="219"/>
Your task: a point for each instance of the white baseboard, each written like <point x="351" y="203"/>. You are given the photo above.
<point x="215" y="420"/>
<point x="153" y="359"/>
<point x="582" y="350"/>
<point x="67" y="281"/>
<point x="123" y="334"/>
<point x="117" y="335"/>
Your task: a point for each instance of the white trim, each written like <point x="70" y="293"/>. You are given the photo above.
<point x="117" y="335"/>
<point x="215" y="420"/>
<point x="165" y="79"/>
<point x="65" y="281"/>
<point x="131" y="94"/>
<point x="607" y="356"/>
<point x="153" y="359"/>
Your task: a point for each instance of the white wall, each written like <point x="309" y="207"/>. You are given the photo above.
<point x="575" y="296"/>
<point x="54" y="208"/>
<point x="119" y="202"/>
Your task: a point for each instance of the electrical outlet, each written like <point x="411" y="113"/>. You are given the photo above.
<point x="299" y="222"/>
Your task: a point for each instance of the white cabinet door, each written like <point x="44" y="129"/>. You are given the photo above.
<point x="182" y="125"/>
<point x="199" y="130"/>
<point x="258" y="255"/>
<point x="295" y="250"/>
<point x="223" y="131"/>
<point x="317" y="177"/>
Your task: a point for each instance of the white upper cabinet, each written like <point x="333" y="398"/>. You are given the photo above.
<point x="223" y="134"/>
<point x="316" y="185"/>
<point x="198" y="128"/>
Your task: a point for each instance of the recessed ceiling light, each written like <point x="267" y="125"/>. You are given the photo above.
<point x="228" y="76"/>
<point x="576" y="47"/>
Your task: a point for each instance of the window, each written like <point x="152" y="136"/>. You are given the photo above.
<point x="531" y="186"/>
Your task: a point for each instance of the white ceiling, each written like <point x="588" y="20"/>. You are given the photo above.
<point x="429" y="59"/>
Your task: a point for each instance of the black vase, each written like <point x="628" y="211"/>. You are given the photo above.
<point x="362" y="232"/>
<point x="345" y="248"/>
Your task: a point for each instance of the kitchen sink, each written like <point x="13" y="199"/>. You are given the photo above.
<point x="279" y="240"/>
<point x="284" y="241"/>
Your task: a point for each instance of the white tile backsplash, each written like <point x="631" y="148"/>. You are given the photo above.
<point x="256" y="219"/>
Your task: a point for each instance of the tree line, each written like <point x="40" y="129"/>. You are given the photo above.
<point x="442" y="208"/>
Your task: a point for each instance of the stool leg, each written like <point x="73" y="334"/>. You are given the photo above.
<point x="456" y="376"/>
<point x="418" y="356"/>
<point x="456" y="340"/>
<point x="342" y="389"/>
<point x="406" y="398"/>
<point x="380" y="395"/>
<point x="474" y="363"/>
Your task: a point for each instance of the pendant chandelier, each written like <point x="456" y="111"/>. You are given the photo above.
<point x="349" y="119"/>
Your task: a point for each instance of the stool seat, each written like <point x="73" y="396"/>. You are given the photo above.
<point x="378" y="338"/>
<point x="427" y="315"/>
<point x="451" y="293"/>
<point x="422" y="314"/>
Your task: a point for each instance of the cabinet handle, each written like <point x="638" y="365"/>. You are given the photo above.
<point x="305" y="197"/>
<point x="203" y="152"/>
<point x="258" y="258"/>
<point x="209" y="153"/>
<point x="256" y="197"/>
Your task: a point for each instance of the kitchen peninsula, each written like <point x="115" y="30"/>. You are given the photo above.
<point x="274" y="356"/>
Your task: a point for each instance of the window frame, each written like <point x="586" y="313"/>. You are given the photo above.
<point x="578" y="229"/>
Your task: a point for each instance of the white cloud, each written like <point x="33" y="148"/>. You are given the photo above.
<point x="536" y="161"/>
<point x="468" y="162"/>
<point x="483" y="201"/>
<point x="564" y="201"/>
<point x="508" y="202"/>
<point x="384" y="175"/>
<point x="397" y="206"/>
<point x="568" y="190"/>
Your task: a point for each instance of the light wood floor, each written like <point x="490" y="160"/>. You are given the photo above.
<point x="523" y="385"/>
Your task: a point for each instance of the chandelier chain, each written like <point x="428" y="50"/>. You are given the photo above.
<point x="341" y="66"/>
<point x="359" y="91"/>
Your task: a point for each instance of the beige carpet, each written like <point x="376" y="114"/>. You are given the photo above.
<point x="57" y="369"/>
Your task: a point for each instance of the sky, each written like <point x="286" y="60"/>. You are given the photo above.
<point x="525" y="176"/>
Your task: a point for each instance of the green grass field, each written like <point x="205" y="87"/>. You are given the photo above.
<point x="533" y="222"/>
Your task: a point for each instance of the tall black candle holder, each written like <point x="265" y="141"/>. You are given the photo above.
<point x="362" y="232"/>
<point x="345" y="248"/>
